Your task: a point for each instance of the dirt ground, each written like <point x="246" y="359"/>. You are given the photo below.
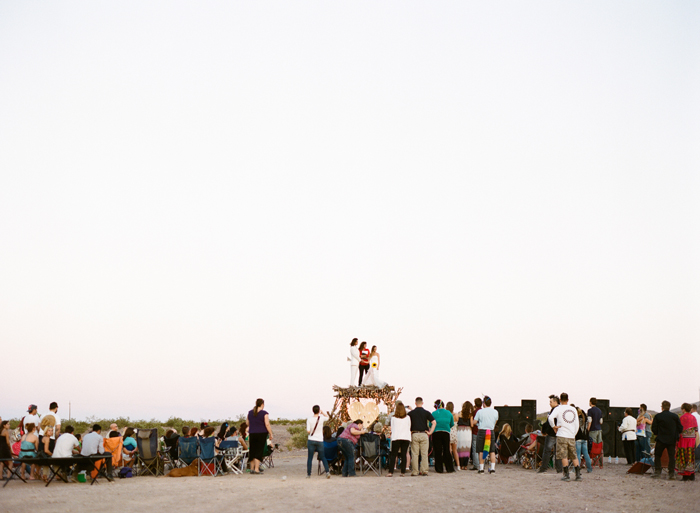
<point x="285" y="488"/>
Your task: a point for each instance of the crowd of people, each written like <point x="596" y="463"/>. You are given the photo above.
<point x="471" y="438"/>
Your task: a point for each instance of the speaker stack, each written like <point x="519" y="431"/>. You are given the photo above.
<point x="518" y="416"/>
<point x="612" y="438"/>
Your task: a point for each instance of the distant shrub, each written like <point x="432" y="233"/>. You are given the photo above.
<point x="299" y="437"/>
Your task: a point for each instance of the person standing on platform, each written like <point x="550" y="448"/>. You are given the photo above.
<point x="550" y="441"/>
<point x="354" y="360"/>
<point x="364" y="361"/>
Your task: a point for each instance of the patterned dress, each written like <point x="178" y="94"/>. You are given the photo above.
<point x="685" y="448"/>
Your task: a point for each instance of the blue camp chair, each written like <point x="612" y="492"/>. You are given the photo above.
<point x="187" y="450"/>
<point x="148" y="459"/>
<point x="209" y="462"/>
<point x="330" y="449"/>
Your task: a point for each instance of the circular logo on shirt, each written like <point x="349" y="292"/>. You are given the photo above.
<point x="569" y="416"/>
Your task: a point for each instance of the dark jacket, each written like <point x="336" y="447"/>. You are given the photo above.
<point x="546" y="428"/>
<point x="667" y="427"/>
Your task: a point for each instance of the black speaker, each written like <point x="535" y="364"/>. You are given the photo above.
<point x="518" y="416"/>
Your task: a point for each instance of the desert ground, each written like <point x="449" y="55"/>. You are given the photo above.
<point x="285" y="488"/>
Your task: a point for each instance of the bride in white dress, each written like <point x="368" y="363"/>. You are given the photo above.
<point x="372" y="376"/>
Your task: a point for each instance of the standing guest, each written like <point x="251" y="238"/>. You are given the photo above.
<point x="314" y="445"/>
<point x="52" y="415"/>
<point x="685" y="450"/>
<point x="564" y="420"/>
<point x="582" y="440"/>
<point x="486" y="419"/>
<point x="628" y="428"/>
<point x="694" y="412"/>
<point x="364" y="361"/>
<point x="453" y="434"/>
<point x="643" y="443"/>
<point x="29" y="448"/>
<point x="475" y="432"/>
<point x="400" y="439"/>
<point x="5" y="450"/>
<point x="422" y="426"/>
<point x="550" y="440"/>
<point x="259" y="429"/>
<point x="441" y="438"/>
<point x="347" y="441"/>
<point x="33" y="417"/>
<point x="67" y="444"/>
<point x="354" y="360"/>
<point x="595" y="422"/>
<point x="464" y="435"/>
<point x="129" y="447"/>
<point x="667" y="427"/>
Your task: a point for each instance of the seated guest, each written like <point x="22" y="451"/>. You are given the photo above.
<point x="130" y="447"/>
<point x="233" y="436"/>
<point x="45" y="450"/>
<point x="244" y="430"/>
<point x="113" y="431"/>
<point x="171" y="442"/>
<point x="67" y="444"/>
<point x="508" y="444"/>
<point x="93" y="443"/>
<point x="202" y="427"/>
<point x="194" y="431"/>
<point x="222" y="431"/>
<point x="5" y="448"/>
<point x="29" y="448"/>
<point x="185" y="431"/>
<point x="327" y="434"/>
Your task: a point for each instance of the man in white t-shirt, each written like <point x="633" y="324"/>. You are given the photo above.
<point x="33" y="417"/>
<point x="53" y="409"/>
<point x="67" y="444"/>
<point x="314" y="428"/>
<point x="566" y="427"/>
<point x="694" y="413"/>
<point x="486" y="419"/>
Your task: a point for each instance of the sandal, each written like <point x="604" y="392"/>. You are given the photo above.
<point x="390" y="475"/>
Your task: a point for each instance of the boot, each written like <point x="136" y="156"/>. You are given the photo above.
<point x="578" y="473"/>
<point x="671" y="476"/>
<point x="566" y="474"/>
<point x="656" y="474"/>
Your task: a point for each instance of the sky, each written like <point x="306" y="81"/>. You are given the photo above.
<point x="202" y="203"/>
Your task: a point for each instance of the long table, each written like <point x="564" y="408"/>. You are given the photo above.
<point x="57" y="464"/>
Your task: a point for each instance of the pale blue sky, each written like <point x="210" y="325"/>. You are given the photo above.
<point x="213" y="198"/>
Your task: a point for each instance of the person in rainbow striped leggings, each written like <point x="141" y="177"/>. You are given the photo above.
<point x="486" y="419"/>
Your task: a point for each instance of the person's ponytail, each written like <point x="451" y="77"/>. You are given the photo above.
<point x="258" y="407"/>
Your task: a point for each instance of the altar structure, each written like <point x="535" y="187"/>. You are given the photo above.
<point x="354" y="403"/>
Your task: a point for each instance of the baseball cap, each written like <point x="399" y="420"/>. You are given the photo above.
<point x="32" y="407"/>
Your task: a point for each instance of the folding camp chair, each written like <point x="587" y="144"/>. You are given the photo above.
<point x="597" y="454"/>
<point x="267" y="455"/>
<point x="148" y="459"/>
<point x="115" y="446"/>
<point x="234" y="456"/>
<point x="187" y="450"/>
<point x="168" y="449"/>
<point x="209" y="462"/>
<point x="370" y="454"/>
<point x="330" y="450"/>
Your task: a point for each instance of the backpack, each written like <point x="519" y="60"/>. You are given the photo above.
<point x="125" y="472"/>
